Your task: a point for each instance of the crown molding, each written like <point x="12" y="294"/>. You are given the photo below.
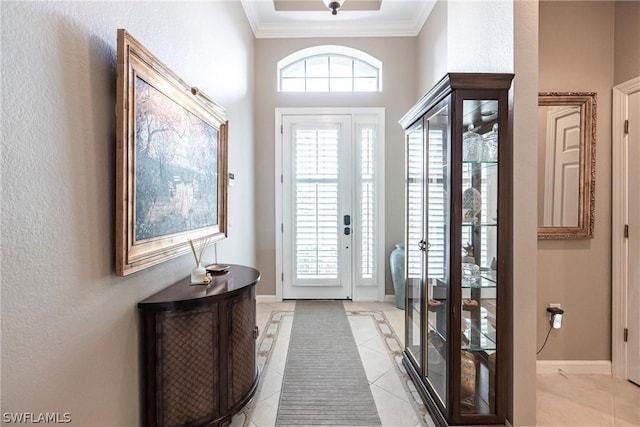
<point x="300" y="29"/>
<point x="251" y="11"/>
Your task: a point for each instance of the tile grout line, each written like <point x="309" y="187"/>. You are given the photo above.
<point x="391" y="343"/>
<point x="263" y="359"/>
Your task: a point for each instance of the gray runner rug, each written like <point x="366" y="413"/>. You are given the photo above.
<point x="324" y="381"/>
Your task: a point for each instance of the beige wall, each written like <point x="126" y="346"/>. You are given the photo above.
<point x="399" y="80"/>
<point x="627" y="41"/>
<point x="525" y="107"/>
<point x="432" y="48"/>
<point x="70" y="339"/>
<point x="576" y="54"/>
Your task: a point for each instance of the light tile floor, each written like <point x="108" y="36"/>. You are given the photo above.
<point x="562" y="400"/>
<point x="398" y="405"/>
<point x="586" y="400"/>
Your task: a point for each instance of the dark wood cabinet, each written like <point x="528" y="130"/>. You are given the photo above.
<point x="458" y="247"/>
<point x="198" y="350"/>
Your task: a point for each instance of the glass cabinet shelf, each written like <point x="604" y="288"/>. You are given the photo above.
<point x="474" y="338"/>
<point x="480" y="162"/>
<point x="438" y="332"/>
<point x="483" y="163"/>
<point x="478" y="336"/>
<point x="481" y="283"/>
<point x="479" y="224"/>
<point x="487" y="340"/>
<point x="490" y="275"/>
<point x="487" y="280"/>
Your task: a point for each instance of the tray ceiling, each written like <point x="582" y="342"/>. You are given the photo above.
<point x="356" y="18"/>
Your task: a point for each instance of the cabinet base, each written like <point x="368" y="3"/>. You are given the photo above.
<point x="225" y="420"/>
<point x="435" y="410"/>
<point x="432" y="406"/>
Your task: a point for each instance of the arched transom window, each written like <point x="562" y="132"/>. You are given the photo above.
<point x="329" y="68"/>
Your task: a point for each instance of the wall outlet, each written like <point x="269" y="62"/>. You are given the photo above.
<point x="555" y="315"/>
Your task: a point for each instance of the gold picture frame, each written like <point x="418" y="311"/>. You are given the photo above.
<point x="567" y="129"/>
<point x="171" y="162"/>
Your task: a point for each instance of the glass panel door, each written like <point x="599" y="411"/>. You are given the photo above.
<point x="479" y="257"/>
<point x="415" y="244"/>
<point x="438" y="184"/>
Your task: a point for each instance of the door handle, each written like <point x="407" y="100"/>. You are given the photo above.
<point x="347" y="220"/>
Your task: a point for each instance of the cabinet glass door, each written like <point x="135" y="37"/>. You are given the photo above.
<point x="479" y="256"/>
<point x="438" y="183"/>
<point x="416" y="172"/>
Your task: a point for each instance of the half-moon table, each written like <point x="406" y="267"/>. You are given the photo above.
<point x="199" y="351"/>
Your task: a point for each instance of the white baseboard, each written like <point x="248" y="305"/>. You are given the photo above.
<point x="601" y="367"/>
<point x="267" y="298"/>
<point x="389" y="298"/>
<point x="275" y="298"/>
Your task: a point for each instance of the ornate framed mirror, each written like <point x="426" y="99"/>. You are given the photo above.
<point x="566" y="164"/>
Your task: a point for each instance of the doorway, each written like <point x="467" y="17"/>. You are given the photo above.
<point x="626" y="231"/>
<point x="329" y="175"/>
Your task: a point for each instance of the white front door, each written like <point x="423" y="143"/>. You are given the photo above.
<point x="329" y="204"/>
<point x="633" y="291"/>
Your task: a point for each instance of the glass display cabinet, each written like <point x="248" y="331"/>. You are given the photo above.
<point x="458" y="247"/>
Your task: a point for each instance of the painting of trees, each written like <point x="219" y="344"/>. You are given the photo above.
<point x="176" y="157"/>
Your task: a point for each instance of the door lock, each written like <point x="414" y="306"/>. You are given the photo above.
<point x="347" y="231"/>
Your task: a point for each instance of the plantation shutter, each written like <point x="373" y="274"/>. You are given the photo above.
<point x="415" y="203"/>
<point x="366" y="142"/>
<point x="316" y="204"/>
<point x="436" y="208"/>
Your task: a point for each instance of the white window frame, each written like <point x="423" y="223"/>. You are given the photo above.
<point x="359" y="293"/>
<point x="330" y="50"/>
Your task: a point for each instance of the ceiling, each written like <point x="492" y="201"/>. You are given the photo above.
<point x="356" y="18"/>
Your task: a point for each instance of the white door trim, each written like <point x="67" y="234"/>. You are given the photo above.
<point x="619" y="217"/>
<point x="363" y="295"/>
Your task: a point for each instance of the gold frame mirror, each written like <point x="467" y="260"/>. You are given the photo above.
<point x="566" y="164"/>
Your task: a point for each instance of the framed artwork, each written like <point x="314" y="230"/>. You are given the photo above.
<point x="171" y="160"/>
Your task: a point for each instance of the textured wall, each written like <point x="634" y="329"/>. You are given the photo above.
<point x="522" y="408"/>
<point x="480" y="36"/>
<point x="465" y="36"/>
<point x="576" y="54"/>
<point x="399" y="77"/>
<point x="69" y="328"/>
<point x="433" y="48"/>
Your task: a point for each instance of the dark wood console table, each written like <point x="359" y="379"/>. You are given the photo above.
<point x="199" y="351"/>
